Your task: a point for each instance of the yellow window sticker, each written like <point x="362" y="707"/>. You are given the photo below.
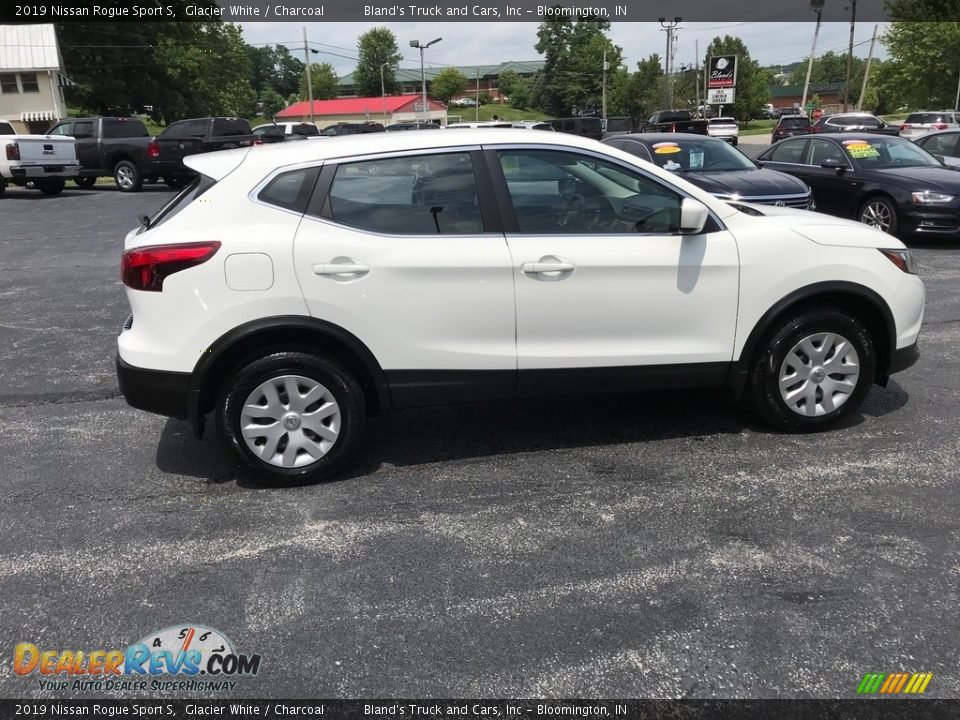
<point x="666" y="148"/>
<point x="860" y="149"/>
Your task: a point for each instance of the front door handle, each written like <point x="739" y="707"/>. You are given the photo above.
<point x="549" y="266"/>
<point x="335" y="269"/>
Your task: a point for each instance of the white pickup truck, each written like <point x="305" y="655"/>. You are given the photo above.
<point x="47" y="161"/>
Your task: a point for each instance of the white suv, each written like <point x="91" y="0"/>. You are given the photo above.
<point x="293" y="289"/>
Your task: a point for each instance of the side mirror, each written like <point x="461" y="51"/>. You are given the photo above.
<point x="693" y="216"/>
<point x="833" y="164"/>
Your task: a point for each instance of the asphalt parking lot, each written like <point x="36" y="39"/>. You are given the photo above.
<point x="660" y="545"/>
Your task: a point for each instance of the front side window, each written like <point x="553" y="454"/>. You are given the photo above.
<point x="821" y="150"/>
<point x="28" y="82"/>
<point x="559" y="192"/>
<point x="414" y="195"/>
<point x="8" y="84"/>
<point x="62" y="129"/>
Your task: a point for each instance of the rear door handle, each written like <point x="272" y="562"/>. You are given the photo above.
<point x="340" y="269"/>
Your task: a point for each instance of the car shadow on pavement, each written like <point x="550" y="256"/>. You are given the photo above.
<point x="453" y="433"/>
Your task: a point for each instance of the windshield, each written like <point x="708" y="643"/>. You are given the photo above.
<point x="698" y="156"/>
<point x="878" y="153"/>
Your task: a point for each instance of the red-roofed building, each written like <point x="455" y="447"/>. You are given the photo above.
<point x="389" y="109"/>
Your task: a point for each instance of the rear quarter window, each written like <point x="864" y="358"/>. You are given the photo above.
<point x="224" y="128"/>
<point x="290" y="190"/>
<point x="6" y="129"/>
<point x="197" y="187"/>
<point x="124" y="129"/>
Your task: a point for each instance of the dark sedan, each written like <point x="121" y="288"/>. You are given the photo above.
<point x="886" y="182"/>
<point x="712" y="164"/>
<point x="942" y="144"/>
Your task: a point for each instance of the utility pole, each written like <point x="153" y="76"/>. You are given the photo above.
<point x="669" y="27"/>
<point x="696" y="66"/>
<point x="383" y="93"/>
<point x="817" y="5"/>
<point x="477" y="108"/>
<point x="853" y="27"/>
<point x="306" y="54"/>
<point x="956" y="105"/>
<point x="423" y="73"/>
<point x="606" y="66"/>
<point x="866" y="72"/>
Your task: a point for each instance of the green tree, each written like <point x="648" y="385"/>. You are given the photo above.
<point x="925" y="57"/>
<point x="508" y="82"/>
<point x="447" y="84"/>
<point x="326" y="84"/>
<point x="832" y="68"/>
<point x="639" y="93"/>
<point x="377" y="47"/>
<point x="274" y="68"/>
<point x="749" y="96"/>
<point x="521" y="94"/>
<point x="271" y="102"/>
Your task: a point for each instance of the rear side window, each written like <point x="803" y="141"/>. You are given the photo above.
<point x="415" y="195"/>
<point x="175" y="131"/>
<point x="224" y="128"/>
<point x="945" y="144"/>
<point x="290" y="190"/>
<point x="796" y="122"/>
<point x="6" y="129"/>
<point x="124" y="129"/>
<point x="788" y="152"/>
<point x="83" y="129"/>
<point x="197" y="187"/>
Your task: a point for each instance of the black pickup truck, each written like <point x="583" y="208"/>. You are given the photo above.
<point x="109" y="147"/>
<point x="192" y="137"/>
<point x="675" y="121"/>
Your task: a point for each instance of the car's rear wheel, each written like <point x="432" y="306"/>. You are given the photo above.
<point x="812" y="369"/>
<point x="880" y="213"/>
<point x="127" y="176"/>
<point x="85" y="182"/>
<point x="294" y="417"/>
<point x="51" y="186"/>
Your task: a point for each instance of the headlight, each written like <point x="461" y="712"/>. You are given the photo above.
<point x="903" y="259"/>
<point x="929" y="197"/>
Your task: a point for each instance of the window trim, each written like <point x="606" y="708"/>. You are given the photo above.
<point x="36" y="81"/>
<point x="512" y="227"/>
<point x="489" y="216"/>
<point x="16" y="82"/>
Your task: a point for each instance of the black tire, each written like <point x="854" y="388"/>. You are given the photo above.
<point x="51" y="186"/>
<point x="878" y="204"/>
<point x="85" y="182"/>
<point x="3" y="186"/>
<point x="323" y="369"/>
<point x="127" y="176"/>
<point x="174" y="181"/>
<point x="764" y="382"/>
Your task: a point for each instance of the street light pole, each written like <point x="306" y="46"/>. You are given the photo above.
<point x="306" y="54"/>
<point x="817" y="5"/>
<point x="669" y="27"/>
<point x="606" y="66"/>
<point x="423" y="72"/>
<point x="383" y="93"/>
<point x="853" y="27"/>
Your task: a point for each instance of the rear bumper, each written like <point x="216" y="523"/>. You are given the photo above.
<point x="34" y="172"/>
<point x="156" y="391"/>
<point x="904" y="358"/>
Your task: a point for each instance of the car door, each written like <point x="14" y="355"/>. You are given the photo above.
<point x="405" y="251"/>
<point x="787" y="156"/>
<point x="88" y="147"/>
<point x="836" y="191"/>
<point x="609" y="293"/>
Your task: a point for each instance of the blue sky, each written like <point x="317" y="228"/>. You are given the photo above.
<point x="488" y="43"/>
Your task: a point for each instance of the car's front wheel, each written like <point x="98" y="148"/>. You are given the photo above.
<point x="294" y="417"/>
<point x="812" y="369"/>
<point x="879" y="212"/>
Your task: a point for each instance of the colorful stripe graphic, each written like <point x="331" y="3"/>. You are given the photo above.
<point x="894" y="683"/>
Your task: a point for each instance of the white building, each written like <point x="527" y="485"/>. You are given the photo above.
<point x="31" y="77"/>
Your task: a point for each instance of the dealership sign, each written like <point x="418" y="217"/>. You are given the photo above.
<point x="721" y="96"/>
<point x="723" y="72"/>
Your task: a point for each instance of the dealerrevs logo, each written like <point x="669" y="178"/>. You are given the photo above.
<point x="187" y="651"/>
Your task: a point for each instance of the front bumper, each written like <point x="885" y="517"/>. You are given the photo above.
<point x="156" y="391"/>
<point x="932" y="221"/>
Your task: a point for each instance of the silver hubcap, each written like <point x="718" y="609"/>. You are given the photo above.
<point x="290" y="421"/>
<point x="819" y="374"/>
<point x="878" y="215"/>
<point x="124" y="176"/>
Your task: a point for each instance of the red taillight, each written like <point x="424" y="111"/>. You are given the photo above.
<point x="258" y="141"/>
<point x="13" y="151"/>
<point x="145" y="268"/>
<point x="904" y="127"/>
<point x="153" y="149"/>
<point x="941" y="126"/>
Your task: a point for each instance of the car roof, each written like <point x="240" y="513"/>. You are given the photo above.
<point x="647" y="138"/>
<point x="269" y="157"/>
